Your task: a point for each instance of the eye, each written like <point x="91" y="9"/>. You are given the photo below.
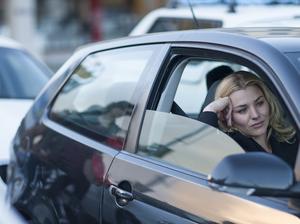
<point x="242" y="111"/>
<point x="260" y="103"/>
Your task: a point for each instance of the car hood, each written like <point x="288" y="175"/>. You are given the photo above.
<point x="11" y="114"/>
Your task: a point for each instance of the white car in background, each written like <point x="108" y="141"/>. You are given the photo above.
<point x="22" y="76"/>
<point x="213" y="16"/>
<point x="218" y="15"/>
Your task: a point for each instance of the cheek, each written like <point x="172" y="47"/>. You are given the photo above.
<point x="265" y="110"/>
<point x="240" y="119"/>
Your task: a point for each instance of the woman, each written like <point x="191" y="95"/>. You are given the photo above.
<point x="246" y="110"/>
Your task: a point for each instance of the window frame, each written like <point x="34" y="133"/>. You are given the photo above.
<point x="73" y="129"/>
<point x="181" y="51"/>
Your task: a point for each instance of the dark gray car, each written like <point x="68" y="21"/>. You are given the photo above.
<point x="115" y="137"/>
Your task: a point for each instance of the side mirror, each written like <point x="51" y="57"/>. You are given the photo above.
<point x="260" y="172"/>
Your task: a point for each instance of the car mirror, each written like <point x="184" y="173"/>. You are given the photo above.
<point x="254" y="171"/>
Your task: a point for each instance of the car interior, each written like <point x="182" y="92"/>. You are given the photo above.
<point x="175" y="120"/>
<point x="209" y="73"/>
<point x="173" y="133"/>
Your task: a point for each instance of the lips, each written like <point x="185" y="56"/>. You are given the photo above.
<point x="258" y="124"/>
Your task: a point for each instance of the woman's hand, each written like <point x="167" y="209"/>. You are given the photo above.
<point x="223" y="108"/>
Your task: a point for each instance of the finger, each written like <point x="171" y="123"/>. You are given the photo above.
<point x="221" y="103"/>
<point x="221" y="117"/>
<point x="229" y="114"/>
<point x="217" y="105"/>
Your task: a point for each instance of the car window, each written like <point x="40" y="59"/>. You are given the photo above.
<point x="184" y="141"/>
<point x="171" y="24"/>
<point x="196" y="77"/>
<point x="21" y="76"/>
<point x="97" y="100"/>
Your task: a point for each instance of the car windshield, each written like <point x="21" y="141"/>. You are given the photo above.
<point x="21" y="76"/>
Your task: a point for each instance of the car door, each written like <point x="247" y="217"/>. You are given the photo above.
<point x="164" y="177"/>
<point x="70" y="150"/>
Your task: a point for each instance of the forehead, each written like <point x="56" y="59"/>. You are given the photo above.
<point x="245" y="96"/>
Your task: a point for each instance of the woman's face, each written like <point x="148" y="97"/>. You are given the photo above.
<point x="250" y="112"/>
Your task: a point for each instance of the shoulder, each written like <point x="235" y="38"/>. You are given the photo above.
<point x="247" y="143"/>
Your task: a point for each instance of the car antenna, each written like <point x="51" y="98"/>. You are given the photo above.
<point x="232" y="6"/>
<point x="194" y="17"/>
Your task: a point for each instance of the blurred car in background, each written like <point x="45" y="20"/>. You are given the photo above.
<point x="216" y="16"/>
<point x="22" y="76"/>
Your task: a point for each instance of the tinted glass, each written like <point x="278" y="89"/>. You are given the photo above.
<point x="21" y="76"/>
<point x="98" y="98"/>
<point x="184" y="142"/>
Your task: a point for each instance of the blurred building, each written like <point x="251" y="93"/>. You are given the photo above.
<point x="53" y="29"/>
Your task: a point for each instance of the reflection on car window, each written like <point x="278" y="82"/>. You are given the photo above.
<point x="97" y="99"/>
<point x="184" y="142"/>
<point x="21" y="76"/>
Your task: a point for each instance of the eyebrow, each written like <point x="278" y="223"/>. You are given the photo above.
<point x="258" y="98"/>
<point x="245" y="105"/>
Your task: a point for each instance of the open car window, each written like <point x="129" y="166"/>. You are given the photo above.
<point x="174" y="133"/>
<point x="184" y="142"/>
<point x="181" y="139"/>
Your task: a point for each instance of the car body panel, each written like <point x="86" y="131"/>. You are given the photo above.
<point x="167" y="195"/>
<point x="60" y="164"/>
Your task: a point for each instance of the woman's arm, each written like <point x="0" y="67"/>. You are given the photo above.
<point x="222" y="108"/>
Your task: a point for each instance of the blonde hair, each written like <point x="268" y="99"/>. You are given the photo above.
<point x="283" y="131"/>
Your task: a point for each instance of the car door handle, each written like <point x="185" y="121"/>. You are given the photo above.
<point x="122" y="197"/>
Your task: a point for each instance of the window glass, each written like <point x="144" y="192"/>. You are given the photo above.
<point x="173" y="133"/>
<point x="21" y="76"/>
<point x="97" y="99"/>
<point x="196" y="77"/>
<point x="184" y="142"/>
<point x="172" y="24"/>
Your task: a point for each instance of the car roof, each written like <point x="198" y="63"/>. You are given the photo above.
<point x="285" y="39"/>
<point x="245" y="16"/>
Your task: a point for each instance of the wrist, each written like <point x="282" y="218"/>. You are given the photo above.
<point x="209" y="108"/>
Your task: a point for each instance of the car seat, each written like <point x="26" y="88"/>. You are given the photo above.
<point x="213" y="78"/>
<point x="176" y="109"/>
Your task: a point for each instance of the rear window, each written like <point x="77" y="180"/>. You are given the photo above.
<point x="173" y="24"/>
<point x="21" y="76"/>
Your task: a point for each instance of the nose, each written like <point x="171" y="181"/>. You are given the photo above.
<point x="254" y="113"/>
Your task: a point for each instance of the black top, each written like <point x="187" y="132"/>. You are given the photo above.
<point x="286" y="151"/>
